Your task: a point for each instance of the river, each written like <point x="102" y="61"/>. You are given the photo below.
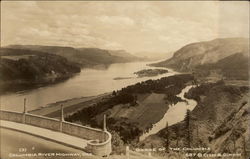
<point x="89" y="82"/>
<point x="174" y="114"/>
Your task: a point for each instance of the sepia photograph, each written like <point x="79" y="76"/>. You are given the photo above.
<point x="124" y="79"/>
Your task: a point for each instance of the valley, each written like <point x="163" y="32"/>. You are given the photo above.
<point x="134" y="109"/>
<point x="27" y="67"/>
<point x="125" y="79"/>
<point x="208" y="96"/>
<point x="221" y="92"/>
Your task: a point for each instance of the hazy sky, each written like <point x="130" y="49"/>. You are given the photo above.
<point x="133" y="26"/>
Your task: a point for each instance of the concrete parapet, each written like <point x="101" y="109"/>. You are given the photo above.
<point x="11" y="116"/>
<point x="42" y="122"/>
<point x="83" y="131"/>
<point x="99" y="140"/>
<point x="101" y="148"/>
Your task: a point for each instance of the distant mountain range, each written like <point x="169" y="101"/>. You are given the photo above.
<point x="85" y="57"/>
<point x="30" y="66"/>
<point x="153" y="55"/>
<point x="228" y="56"/>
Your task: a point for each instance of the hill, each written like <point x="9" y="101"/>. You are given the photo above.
<point x="124" y="54"/>
<point x="154" y="55"/>
<point x="234" y="67"/>
<point x="228" y="56"/>
<point x="20" y="68"/>
<point x="85" y="57"/>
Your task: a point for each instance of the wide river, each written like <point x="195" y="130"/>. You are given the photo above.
<point x="89" y="82"/>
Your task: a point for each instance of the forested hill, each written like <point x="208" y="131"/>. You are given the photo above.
<point x="22" y="67"/>
<point x="228" y="57"/>
<point x="85" y="57"/>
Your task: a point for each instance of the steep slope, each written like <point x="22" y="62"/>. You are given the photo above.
<point x="189" y="56"/>
<point x="235" y="66"/>
<point x="233" y="133"/>
<point x="220" y="120"/>
<point x="85" y="57"/>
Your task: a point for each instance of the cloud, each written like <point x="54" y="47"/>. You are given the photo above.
<point x="116" y="20"/>
<point x="134" y="26"/>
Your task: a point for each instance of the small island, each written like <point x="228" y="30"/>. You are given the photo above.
<point x="150" y="72"/>
<point x="121" y="78"/>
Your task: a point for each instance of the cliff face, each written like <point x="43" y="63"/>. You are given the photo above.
<point x="195" y="54"/>
<point x="232" y="135"/>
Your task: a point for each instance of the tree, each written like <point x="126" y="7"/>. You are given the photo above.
<point x="188" y="133"/>
<point x="244" y="146"/>
<point x="167" y="138"/>
<point x="177" y="134"/>
<point x="114" y="93"/>
<point x="117" y="143"/>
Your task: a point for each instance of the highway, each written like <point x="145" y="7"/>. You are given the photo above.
<point x="14" y="143"/>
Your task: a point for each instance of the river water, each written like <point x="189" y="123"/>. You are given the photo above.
<point x="89" y="82"/>
<point x="174" y="114"/>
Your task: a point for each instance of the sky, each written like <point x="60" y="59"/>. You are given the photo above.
<point x="151" y="26"/>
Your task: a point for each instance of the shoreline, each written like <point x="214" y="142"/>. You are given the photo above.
<point x="22" y="85"/>
<point x="70" y="106"/>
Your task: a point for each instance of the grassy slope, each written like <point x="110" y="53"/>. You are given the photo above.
<point x="134" y="108"/>
<point x="235" y="67"/>
<point x="149" y="110"/>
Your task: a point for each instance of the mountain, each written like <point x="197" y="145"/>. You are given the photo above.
<point x="206" y="52"/>
<point x="85" y="57"/>
<point x="154" y="55"/>
<point x="121" y="53"/>
<point x="21" y="69"/>
<point x="235" y="66"/>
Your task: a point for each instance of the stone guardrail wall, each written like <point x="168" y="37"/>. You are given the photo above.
<point x="42" y="122"/>
<point x="99" y="141"/>
<point x="11" y="116"/>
